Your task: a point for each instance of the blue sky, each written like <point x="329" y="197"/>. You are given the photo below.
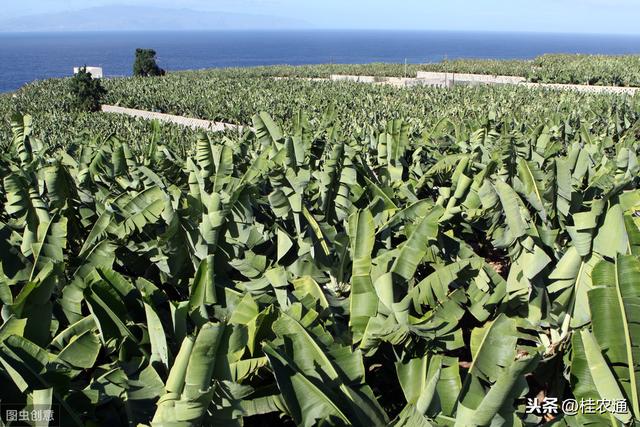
<point x="580" y="16"/>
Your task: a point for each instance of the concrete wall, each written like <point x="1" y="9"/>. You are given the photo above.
<point x="429" y="82"/>
<point x="616" y="90"/>
<point x="461" y="78"/>
<point x="427" y="78"/>
<point x="451" y="79"/>
<point x="359" y="79"/>
<point x="170" y="118"/>
<point x="393" y="81"/>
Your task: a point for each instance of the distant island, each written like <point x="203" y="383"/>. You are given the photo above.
<point x="136" y="18"/>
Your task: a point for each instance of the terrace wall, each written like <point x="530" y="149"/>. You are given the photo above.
<point x="347" y="78"/>
<point x="170" y="118"/>
<point x="461" y="78"/>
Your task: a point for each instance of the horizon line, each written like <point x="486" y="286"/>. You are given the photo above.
<point x="303" y="29"/>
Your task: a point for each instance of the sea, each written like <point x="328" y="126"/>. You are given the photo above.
<point x="25" y="57"/>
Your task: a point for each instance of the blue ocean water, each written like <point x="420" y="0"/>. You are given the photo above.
<point x="28" y="57"/>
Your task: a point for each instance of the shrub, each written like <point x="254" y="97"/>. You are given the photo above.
<point x="145" y="64"/>
<point x="87" y="91"/>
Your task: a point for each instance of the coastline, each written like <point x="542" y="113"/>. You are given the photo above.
<point x="25" y="57"/>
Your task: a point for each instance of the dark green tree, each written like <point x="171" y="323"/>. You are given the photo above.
<point x="145" y="64"/>
<point x="88" y="92"/>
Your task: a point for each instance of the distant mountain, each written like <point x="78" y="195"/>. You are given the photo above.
<point x="137" y="18"/>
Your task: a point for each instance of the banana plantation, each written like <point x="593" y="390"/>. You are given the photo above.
<point x="600" y="70"/>
<point x="363" y="256"/>
<point x="360" y="108"/>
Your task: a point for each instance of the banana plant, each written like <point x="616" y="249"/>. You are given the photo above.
<point x="326" y="266"/>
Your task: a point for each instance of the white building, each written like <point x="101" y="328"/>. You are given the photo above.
<point x="96" y="72"/>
